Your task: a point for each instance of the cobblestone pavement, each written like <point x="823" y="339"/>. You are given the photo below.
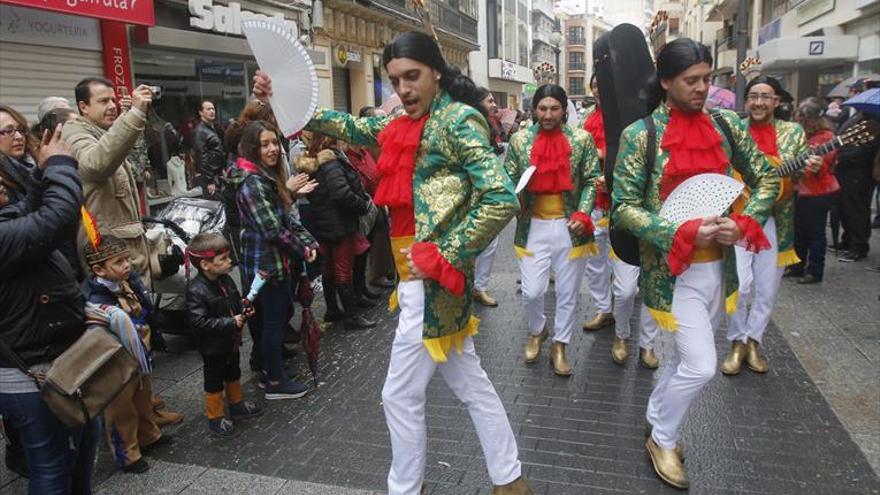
<point x="773" y="434"/>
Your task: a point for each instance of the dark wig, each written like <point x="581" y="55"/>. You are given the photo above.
<point x="673" y="59"/>
<point x="552" y="91"/>
<point x="420" y="47"/>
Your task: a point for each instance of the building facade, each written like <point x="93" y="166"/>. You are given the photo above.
<point x="581" y="32"/>
<point x="500" y="61"/>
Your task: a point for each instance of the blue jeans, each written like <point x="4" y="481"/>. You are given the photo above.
<point x="60" y="458"/>
<point x="277" y="310"/>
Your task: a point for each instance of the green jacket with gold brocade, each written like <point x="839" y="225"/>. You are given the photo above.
<point x="635" y="208"/>
<point x="461" y="196"/>
<point x="791" y="142"/>
<point x="584" y="171"/>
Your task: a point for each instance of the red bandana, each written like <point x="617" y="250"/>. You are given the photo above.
<point x="765" y="137"/>
<point x="596" y="127"/>
<point x="551" y="155"/>
<point x="694" y="148"/>
<point x="399" y="141"/>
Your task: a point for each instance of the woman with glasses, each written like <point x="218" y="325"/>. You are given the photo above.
<point x="19" y="149"/>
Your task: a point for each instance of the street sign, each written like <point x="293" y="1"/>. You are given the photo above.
<point x="128" y="11"/>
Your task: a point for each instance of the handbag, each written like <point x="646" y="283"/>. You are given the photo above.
<point x="84" y="379"/>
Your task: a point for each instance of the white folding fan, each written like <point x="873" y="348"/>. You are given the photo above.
<point x="294" y="80"/>
<point x="525" y="178"/>
<point x="700" y="196"/>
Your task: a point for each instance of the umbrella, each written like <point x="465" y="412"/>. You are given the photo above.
<point x="867" y="101"/>
<point x="842" y="88"/>
<point x="721" y="98"/>
<point x="391" y="104"/>
<point x="310" y="331"/>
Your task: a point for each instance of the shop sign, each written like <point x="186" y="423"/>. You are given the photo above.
<point x="226" y="19"/>
<point x="342" y="55"/>
<point x="128" y="11"/>
<point x="36" y="27"/>
<point x="508" y="70"/>
<point x="530" y="88"/>
<point x="812" y="9"/>
<point x="117" y="59"/>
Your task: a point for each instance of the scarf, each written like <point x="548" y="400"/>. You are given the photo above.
<point x="596" y="127"/>
<point x="399" y="141"/>
<point x="694" y="148"/>
<point x="551" y="155"/>
<point x="765" y="137"/>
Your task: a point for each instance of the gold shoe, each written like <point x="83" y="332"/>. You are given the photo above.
<point x="164" y="417"/>
<point x="668" y="465"/>
<point x="733" y="362"/>
<point x="558" y="360"/>
<point x="619" y="350"/>
<point x="649" y="358"/>
<point x="755" y="360"/>
<point x="518" y="486"/>
<point x="484" y="298"/>
<point x="601" y="321"/>
<point x="679" y="447"/>
<point x="533" y="346"/>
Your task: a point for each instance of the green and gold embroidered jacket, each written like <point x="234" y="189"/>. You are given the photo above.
<point x="636" y="208"/>
<point x="461" y="196"/>
<point x="584" y="171"/>
<point x="791" y="142"/>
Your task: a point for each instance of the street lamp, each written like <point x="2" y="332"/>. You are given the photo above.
<point x="556" y="39"/>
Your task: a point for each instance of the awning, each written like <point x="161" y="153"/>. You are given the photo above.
<point x="809" y="51"/>
<point x="725" y="9"/>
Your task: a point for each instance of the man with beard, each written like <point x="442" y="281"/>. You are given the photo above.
<point x="554" y="229"/>
<point x="688" y="272"/>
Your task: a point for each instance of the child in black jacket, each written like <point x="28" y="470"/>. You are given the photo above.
<point x="216" y="318"/>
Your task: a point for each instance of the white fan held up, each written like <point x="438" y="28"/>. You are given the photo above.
<point x="701" y="196"/>
<point x="285" y="60"/>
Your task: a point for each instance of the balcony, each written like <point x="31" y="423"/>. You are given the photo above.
<point x="577" y="66"/>
<point x="578" y="41"/>
<point x="725" y="38"/>
<point x="448" y="19"/>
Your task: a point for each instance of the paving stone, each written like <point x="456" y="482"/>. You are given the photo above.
<point x="748" y="434"/>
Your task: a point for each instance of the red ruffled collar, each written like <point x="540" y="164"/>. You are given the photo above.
<point x="596" y="127"/>
<point x="694" y="147"/>
<point x="765" y="137"/>
<point x="399" y="141"/>
<point x="551" y="156"/>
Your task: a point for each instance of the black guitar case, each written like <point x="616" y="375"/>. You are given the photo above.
<point x="623" y="67"/>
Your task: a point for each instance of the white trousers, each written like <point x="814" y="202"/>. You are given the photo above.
<point x="625" y="286"/>
<point x="550" y="245"/>
<point x="483" y="266"/>
<point x="759" y="276"/>
<point x="697" y="304"/>
<point x="598" y="267"/>
<point x="403" y="399"/>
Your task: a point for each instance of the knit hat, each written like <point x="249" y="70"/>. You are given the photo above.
<point x="108" y="247"/>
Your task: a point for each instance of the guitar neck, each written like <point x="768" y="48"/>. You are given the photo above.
<point x="794" y="164"/>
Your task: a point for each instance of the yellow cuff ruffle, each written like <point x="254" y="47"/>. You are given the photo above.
<point x="665" y="319"/>
<point x="588" y="249"/>
<point x="521" y="252"/>
<point x="787" y="257"/>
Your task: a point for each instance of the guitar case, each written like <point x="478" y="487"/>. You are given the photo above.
<point x="623" y="67"/>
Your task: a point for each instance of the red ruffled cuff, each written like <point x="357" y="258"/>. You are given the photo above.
<point x="585" y="219"/>
<point x="603" y="200"/>
<point x="753" y="237"/>
<point x="427" y="258"/>
<point x="683" y="246"/>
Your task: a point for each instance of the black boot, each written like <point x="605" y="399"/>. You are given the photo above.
<point x="333" y="313"/>
<point x="353" y="319"/>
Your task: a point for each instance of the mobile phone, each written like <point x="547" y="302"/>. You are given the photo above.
<point x="157" y="92"/>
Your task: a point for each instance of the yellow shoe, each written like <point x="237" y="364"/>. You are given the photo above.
<point x="732" y="365"/>
<point x="558" y="360"/>
<point x="619" y="350"/>
<point x="649" y="358"/>
<point x="755" y="360"/>
<point x="601" y="321"/>
<point x="518" y="486"/>
<point x="484" y="298"/>
<point x="668" y="465"/>
<point x="679" y="447"/>
<point x="533" y="346"/>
